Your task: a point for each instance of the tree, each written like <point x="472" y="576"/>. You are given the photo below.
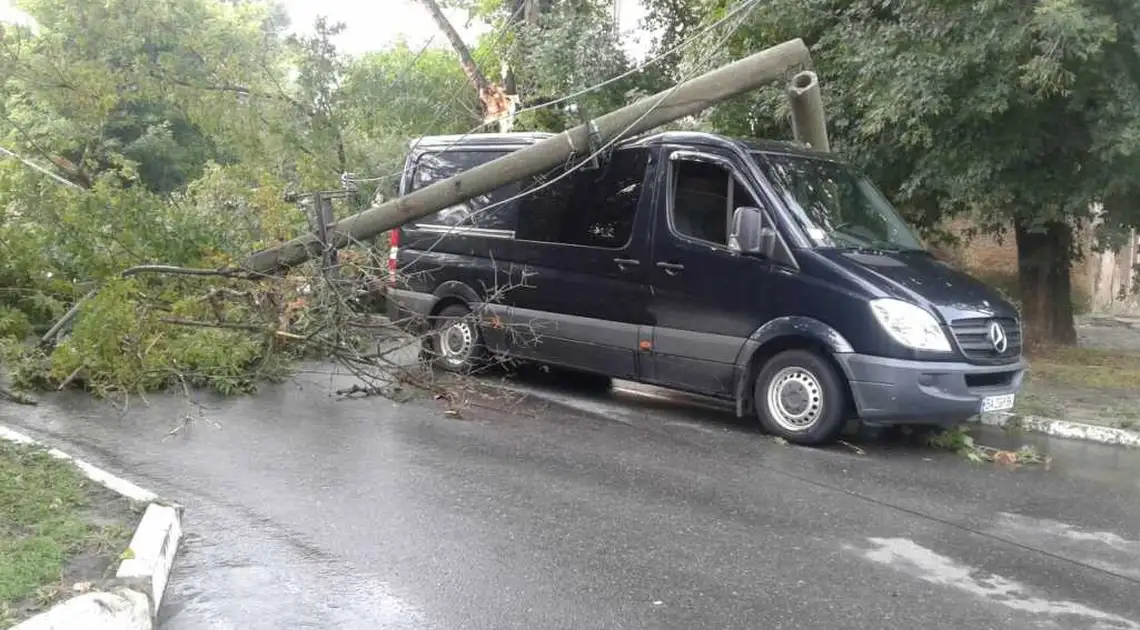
<point x="498" y="105"/>
<point x="1021" y="113"/>
<point x="551" y="49"/>
<point x="396" y="94"/>
<point x="175" y="132"/>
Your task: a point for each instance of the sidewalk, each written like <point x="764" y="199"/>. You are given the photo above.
<point x="1091" y="392"/>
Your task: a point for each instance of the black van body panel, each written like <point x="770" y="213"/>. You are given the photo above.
<point x="797" y="326"/>
<point x="675" y="310"/>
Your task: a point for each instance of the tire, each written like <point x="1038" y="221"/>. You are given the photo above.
<point x="800" y="397"/>
<point x="456" y="344"/>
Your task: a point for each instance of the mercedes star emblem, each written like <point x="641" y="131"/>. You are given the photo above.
<point x="997" y="337"/>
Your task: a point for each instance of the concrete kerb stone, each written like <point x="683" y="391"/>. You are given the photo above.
<point x="1062" y="428"/>
<point x="131" y="600"/>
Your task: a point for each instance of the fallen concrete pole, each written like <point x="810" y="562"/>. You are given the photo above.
<point x="809" y="125"/>
<point x="685" y="99"/>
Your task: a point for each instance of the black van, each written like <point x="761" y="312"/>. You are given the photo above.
<point x="761" y="273"/>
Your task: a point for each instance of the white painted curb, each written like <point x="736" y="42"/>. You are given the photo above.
<point x="98" y="475"/>
<point x="146" y="568"/>
<point x="121" y="609"/>
<point x="1063" y="428"/>
<point x="153" y="548"/>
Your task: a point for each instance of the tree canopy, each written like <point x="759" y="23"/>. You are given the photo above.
<point x="171" y="129"/>
<point x="1020" y="114"/>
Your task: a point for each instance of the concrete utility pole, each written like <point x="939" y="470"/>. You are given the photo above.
<point x="686" y="99"/>
<point x="809" y="125"/>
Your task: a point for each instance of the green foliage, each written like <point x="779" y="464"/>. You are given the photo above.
<point x="1013" y="113"/>
<point x="14" y="323"/>
<point x="392" y="96"/>
<point x="573" y="47"/>
<point x="957" y="106"/>
<point x="125" y="341"/>
<point x="564" y="48"/>
<point x="181" y="126"/>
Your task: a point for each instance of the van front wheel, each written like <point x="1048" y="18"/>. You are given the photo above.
<point x="457" y="344"/>
<point x="800" y="397"/>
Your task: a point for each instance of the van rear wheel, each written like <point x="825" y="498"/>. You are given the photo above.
<point x="456" y="343"/>
<point x="800" y="397"/>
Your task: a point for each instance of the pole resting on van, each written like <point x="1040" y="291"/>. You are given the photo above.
<point x="809" y="125"/>
<point x="686" y="99"/>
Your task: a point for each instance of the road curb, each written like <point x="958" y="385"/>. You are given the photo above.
<point x="132" y="599"/>
<point x="1062" y="428"/>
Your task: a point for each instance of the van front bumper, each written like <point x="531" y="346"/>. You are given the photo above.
<point x="896" y="391"/>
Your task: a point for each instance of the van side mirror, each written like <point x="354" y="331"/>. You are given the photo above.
<point x="750" y="236"/>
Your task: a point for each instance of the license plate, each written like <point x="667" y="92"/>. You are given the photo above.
<point x="997" y="403"/>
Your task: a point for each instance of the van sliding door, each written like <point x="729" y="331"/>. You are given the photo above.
<point x="706" y="300"/>
<point x="581" y="254"/>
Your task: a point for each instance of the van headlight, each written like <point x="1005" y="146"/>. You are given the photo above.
<point x="910" y="325"/>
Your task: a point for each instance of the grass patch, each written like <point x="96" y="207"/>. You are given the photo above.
<point x="1088" y="385"/>
<point x="57" y="528"/>
<point x="1085" y="367"/>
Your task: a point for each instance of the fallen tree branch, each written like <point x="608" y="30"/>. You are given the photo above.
<point x="56" y="330"/>
<point x="16" y="397"/>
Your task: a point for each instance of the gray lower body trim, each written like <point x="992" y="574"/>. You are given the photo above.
<point x="896" y="391"/>
<point x="584" y="329"/>
<point x="699" y="346"/>
<point x="696" y="361"/>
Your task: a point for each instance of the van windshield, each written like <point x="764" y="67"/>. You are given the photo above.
<point x="835" y="205"/>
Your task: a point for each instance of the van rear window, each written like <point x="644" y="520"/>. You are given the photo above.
<point x="486" y="211"/>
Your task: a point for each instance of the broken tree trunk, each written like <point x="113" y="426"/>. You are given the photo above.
<point x="685" y="99"/>
<point x="497" y="104"/>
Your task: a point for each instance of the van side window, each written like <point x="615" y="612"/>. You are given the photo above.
<point x="595" y="208"/>
<point x="704" y="198"/>
<point x="482" y="211"/>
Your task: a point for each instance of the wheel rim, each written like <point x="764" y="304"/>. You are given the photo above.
<point x="795" y="399"/>
<point x="456" y="342"/>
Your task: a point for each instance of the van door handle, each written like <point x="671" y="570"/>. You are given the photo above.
<point x="622" y="263"/>
<point x="671" y="268"/>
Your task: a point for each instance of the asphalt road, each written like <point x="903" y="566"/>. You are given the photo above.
<point x="634" y="509"/>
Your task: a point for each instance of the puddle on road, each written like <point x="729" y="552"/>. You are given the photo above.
<point x="909" y="557"/>
<point x="228" y="585"/>
<point x="1107" y="551"/>
<point x="1116" y="465"/>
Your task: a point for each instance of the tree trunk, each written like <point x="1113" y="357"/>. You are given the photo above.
<point x="1044" y="260"/>
<point x="496" y="103"/>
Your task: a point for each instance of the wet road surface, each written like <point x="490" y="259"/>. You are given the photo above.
<point x="631" y="509"/>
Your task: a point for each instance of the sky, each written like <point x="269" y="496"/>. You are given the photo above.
<point x="373" y="24"/>
<point x="10" y="14"/>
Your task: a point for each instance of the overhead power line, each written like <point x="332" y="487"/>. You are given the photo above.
<point x="40" y="169"/>
<point x="738" y="11"/>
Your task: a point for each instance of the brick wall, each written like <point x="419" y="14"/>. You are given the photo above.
<point x="993" y="258"/>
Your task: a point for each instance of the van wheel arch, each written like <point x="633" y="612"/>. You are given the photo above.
<point x="454" y="292"/>
<point x="446" y="301"/>
<point x="745" y="397"/>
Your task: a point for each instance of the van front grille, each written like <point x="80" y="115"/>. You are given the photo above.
<point x="975" y="340"/>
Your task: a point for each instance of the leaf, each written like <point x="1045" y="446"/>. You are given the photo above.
<point x="1007" y="458"/>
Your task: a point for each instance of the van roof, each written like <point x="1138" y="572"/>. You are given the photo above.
<point x="521" y="139"/>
